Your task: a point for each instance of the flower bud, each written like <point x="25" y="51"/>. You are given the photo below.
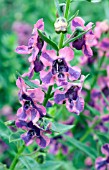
<point x="61" y="25"/>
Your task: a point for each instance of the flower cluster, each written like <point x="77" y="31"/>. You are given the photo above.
<point x="56" y="74"/>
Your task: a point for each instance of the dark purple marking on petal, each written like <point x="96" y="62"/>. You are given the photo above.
<point x="23" y="115"/>
<point x="59" y="97"/>
<point x="78" y="44"/>
<point x="47" y="57"/>
<point x="105" y="118"/>
<point x="38" y="66"/>
<point x="39" y="27"/>
<point x="40" y="43"/>
<point x="49" y="104"/>
<point x="106" y="147"/>
<point x="105" y="44"/>
<point x="64" y="149"/>
<point x="105" y="91"/>
<point x="86" y="52"/>
<point x="74" y="73"/>
<point x="72" y="93"/>
<point x="47" y="78"/>
<point x="21" y="123"/>
<point x="39" y="110"/>
<point x="75" y="24"/>
<point x="29" y="136"/>
<point x="42" y="142"/>
<point x="101" y="164"/>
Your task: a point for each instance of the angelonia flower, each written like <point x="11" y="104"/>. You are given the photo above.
<point x="83" y="43"/>
<point x="34" y="132"/>
<point x="57" y="68"/>
<point x="102" y="163"/>
<point x="31" y="101"/>
<point x="71" y="97"/>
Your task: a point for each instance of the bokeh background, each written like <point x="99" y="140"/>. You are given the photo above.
<point x="16" y="21"/>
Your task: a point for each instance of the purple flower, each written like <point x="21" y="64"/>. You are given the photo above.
<point x="71" y="96"/>
<point x="57" y="68"/>
<point x="102" y="163"/>
<point x="31" y="100"/>
<point x="83" y="43"/>
<point x="34" y="132"/>
<point x="35" y="43"/>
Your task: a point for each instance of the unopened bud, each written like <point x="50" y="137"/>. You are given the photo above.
<point x="61" y="25"/>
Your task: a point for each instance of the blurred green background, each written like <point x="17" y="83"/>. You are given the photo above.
<point x="29" y="12"/>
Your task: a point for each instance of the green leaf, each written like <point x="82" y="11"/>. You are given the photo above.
<point x="29" y="163"/>
<point x="76" y="14"/>
<point x="15" y="136"/>
<point x="61" y="128"/>
<point x="92" y="110"/>
<point x="88" y="150"/>
<point x="77" y="37"/>
<point x="4" y="135"/>
<point x="27" y="81"/>
<point x="48" y="165"/>
<point x="50" y="42"/>
<point x="103" y="137"/>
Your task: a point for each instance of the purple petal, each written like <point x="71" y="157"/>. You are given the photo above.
<point x="21" y="124"/>
<point x="22" y="49"/>
<point x="47" y="57"/>
<point x="87" y="51"/>
<point x="74" y="73"/>
<point x="47" y="78"/>
<point x="80" y="104"/>
<point x="59" y="97"/>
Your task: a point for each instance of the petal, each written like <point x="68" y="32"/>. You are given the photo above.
<point x="100" y="163"/>
<point x="74" y="73"/>
<point x="34" y="115"/>
<point x="21" y="113"/>
<point x="104" y="45"/>
<point x="43" y="141"/>
<point x="21" y="84"/>
<point x="34" y="55"/>
<point x="59" y="97"/>
<point x="87" y="51"/>
<point x="37" y="95"/>
<point x="22" y="49"/>
<point x="105" y="118"/>
<point x="41" y="109"/>
<point x="30" y="73"/>
<point x="39" y="25"/>
<point x="27" y="138"/>
<point x="77" y="22"/>
<point x="22" y="124"/>
<point x="46" y="77"/>
<point x="105" y="149"/>
<point x="47" y="57"/>
<point x="66" y="53"/>
<point x="80" y="104"/>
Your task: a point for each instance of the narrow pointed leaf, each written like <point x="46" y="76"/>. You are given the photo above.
<point x="81" y="146"/>
<point x="93" y="110"/>
<point x="50" y="42"/>
<point x="61" y="128"/>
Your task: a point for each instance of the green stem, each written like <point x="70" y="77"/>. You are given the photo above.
<point x="47" y="96"/>
<point x="15" y="160"/>
<point x="66" y="16"/>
